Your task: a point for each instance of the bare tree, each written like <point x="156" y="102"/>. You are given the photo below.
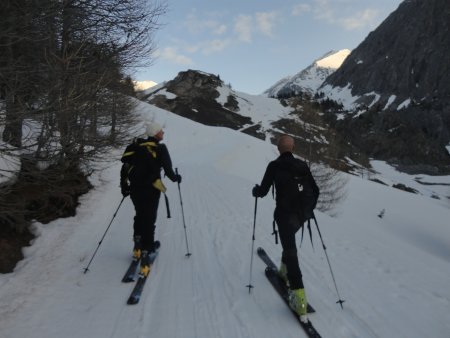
<point x="62" y="72"/>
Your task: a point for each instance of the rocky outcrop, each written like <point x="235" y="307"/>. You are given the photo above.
<point x="193" y="94"/>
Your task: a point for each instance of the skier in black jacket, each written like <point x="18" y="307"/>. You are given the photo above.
<point x="140" y="177"/>
<point x="288" y="216"/>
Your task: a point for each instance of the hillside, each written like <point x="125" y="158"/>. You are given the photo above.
<point x="395" y="89"/>
<point x="386" y="268"/>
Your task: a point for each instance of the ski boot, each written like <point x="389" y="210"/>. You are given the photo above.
<point x="137" y="248"/>
<point x="145" y="264"/>
<point x="298" y="303"/>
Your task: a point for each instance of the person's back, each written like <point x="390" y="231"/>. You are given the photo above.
<point x="288" y="173"/>
<point x="141" y="179"/>
<point x="289" y="176"/>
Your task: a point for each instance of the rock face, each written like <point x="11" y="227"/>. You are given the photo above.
<point x="406" y="56"/>
<point x="400" y="86"/>
<point x="194" y="96"/>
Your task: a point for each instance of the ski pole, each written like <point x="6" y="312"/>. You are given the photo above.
<point x="340" y="301"/>
<point x="182" y="213"/>
<point x="99" y="243"/>
<point x="250" y="286"/>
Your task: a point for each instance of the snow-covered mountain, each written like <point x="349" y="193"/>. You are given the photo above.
<point x="143" y="85"/>
<point x="310" y="78"/>
<point x="392" y="271"/>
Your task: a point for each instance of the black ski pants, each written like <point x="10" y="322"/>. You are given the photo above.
<point x="288" y="225"/>
<point x="146" y="201"/>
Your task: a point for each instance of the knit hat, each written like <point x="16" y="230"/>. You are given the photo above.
<point x="153" y="128"/>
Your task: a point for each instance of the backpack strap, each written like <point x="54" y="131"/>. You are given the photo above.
<point x="167" y="205"/>
<point x="275" y="232"/>
<point x="151" y="147"/>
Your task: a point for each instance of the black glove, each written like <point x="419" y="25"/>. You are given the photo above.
<point x="178" y="178"/>
<point x="255" y="191"/>
<point x="125" y="189"/>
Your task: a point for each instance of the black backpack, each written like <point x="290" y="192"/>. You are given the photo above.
<point x="142" y="162"/>
<point x="299" y="190"/>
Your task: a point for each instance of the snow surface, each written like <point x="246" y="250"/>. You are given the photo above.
<point x="261" y="109"/>
<point x="334" y="59"/>
<point x="393" y="271"/>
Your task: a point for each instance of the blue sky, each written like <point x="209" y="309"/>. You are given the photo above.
<point x="252" y="44"/>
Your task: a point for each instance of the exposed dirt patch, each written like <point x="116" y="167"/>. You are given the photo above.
<point x="41" y="195"/>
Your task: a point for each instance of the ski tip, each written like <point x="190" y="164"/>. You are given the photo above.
<point x="260" y="250"/>
<point x="132" y="301"/>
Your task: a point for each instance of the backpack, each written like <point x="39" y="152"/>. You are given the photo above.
<point x="306" y="195"/>
<point x="299" y="190"/>
<point x="142" y="163"/>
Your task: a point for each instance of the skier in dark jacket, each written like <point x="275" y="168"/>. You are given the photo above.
<point x="287" y="216"/>
<point x="140" y="177"/>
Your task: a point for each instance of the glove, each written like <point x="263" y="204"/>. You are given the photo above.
<point x="255" y="191"/>
<point x="178" y="178"/>
<point x="125" y="189"/>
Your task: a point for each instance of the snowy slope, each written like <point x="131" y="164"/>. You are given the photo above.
<point x="393" y="272"/>
<point x="310" y="78"/>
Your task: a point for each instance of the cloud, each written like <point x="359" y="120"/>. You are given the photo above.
<point x="360" y="19"/>
<point x="215" y="46"/>
<point x="243" y="27"/>
<point x="339" y="13"/>
<point x="323" y="10"/>
<point x="198" y="26"/>
<point x="171" y="54"/>
<point x="300" y="9"/>
<point x="266" y="22"/>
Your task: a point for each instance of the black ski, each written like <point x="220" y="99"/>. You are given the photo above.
<point x="270" y="264"/>
<point x="135" y="295"/>
<point x="131" y="272"/>
<point x="274" y="279"/>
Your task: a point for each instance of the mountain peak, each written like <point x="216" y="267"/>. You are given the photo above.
<point x="333" y="59"/>
<point x="309" y="79"/>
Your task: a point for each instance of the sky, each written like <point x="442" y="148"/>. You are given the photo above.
<point x="254" y="43"/>
<point x="393" y="272"/>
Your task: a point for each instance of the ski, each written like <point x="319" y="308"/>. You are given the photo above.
<point x="136" y="293"/>
<point x="270" y="264"/>
<point x="308" y="327"/>
<point x="131" y="272"/>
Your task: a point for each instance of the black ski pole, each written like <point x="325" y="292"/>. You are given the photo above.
<point x="250" y="286"/>
<point x="100" y="243"/>
<point x="340" y="301"/>
<point x="182" y="214"/>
